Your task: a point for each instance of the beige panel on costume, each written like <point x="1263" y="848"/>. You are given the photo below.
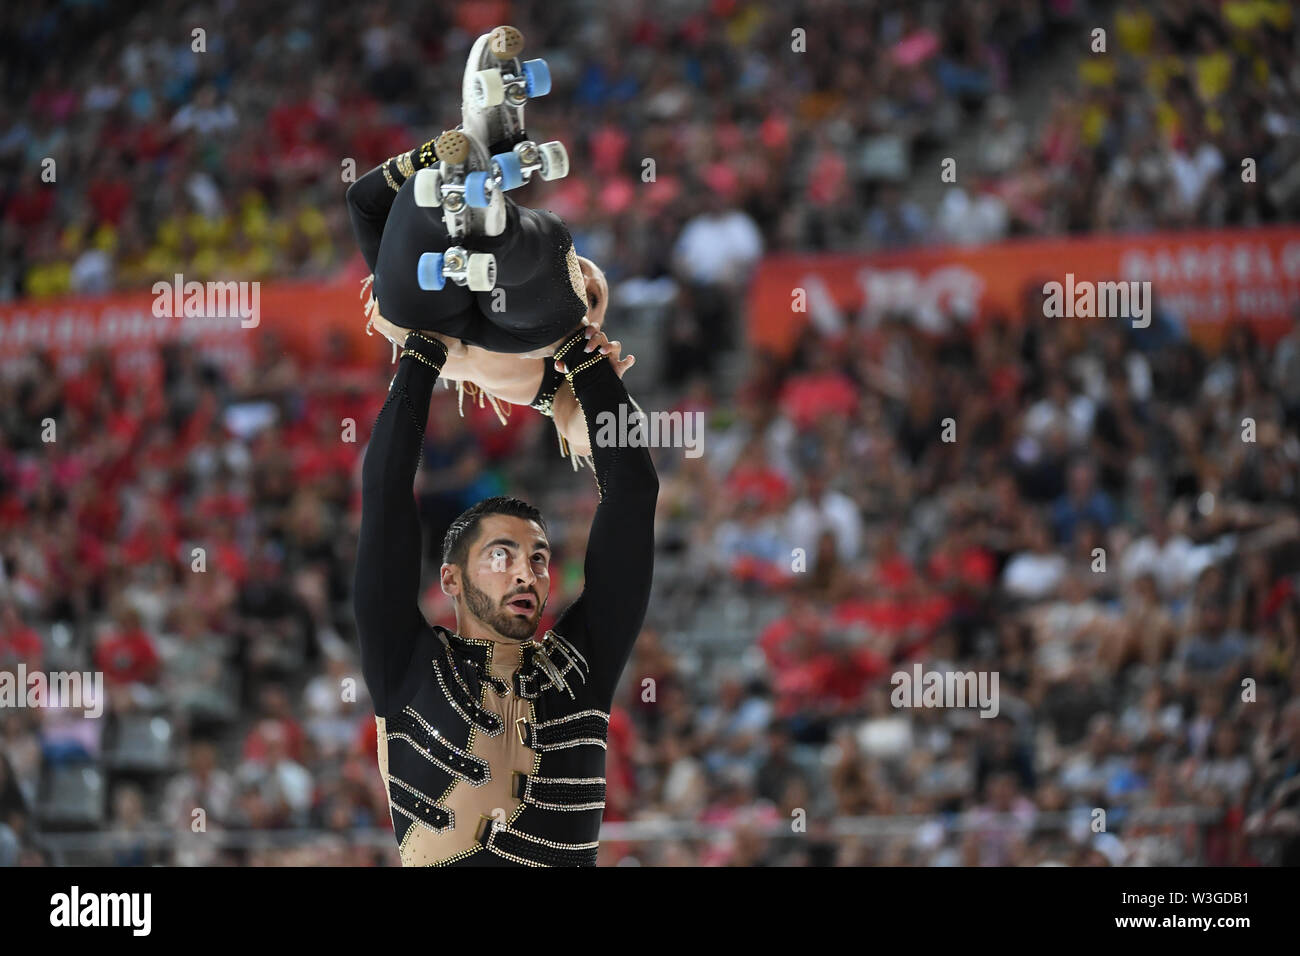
<point x="504" y="753"/>
<point x="575" y="275"/>
<point x="382" y="734"/>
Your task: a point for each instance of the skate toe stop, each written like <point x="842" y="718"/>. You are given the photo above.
<point x="506" y="42"/>
<point x="452" y="147"/>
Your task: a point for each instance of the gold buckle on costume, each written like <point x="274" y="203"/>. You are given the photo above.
<point x="520" y="730"/>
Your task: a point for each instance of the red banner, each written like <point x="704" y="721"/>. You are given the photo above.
<point x="301" y="316"/>
<point x="1204" y="279"/>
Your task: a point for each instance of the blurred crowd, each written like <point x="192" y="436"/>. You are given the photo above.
<point x="1104" y="517"/>
<point x="1107" y="518"/>
<point x="1111" y="529"/>
<point x="1184" y="113"/>
<point x="133" y="148"/>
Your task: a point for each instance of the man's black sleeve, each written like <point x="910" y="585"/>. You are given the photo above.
<point x="387" y="579"/>
<point x="605" y="620"/>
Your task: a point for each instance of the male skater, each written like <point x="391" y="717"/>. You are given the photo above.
<point x="491" y="744"/>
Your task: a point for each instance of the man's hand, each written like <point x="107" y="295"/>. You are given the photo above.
<point x="597" y="341"/>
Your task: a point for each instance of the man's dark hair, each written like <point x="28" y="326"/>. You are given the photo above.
<point x="455" y="544"/>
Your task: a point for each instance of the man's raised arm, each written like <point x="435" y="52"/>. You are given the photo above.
<point x="605" y="620"/>
<point x="387" y="582"/>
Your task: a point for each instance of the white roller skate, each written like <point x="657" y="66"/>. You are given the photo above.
<point x="471" y="205"/>
<point x="494" y="90"/>
<point x="496" y="86"/>
<point x="468" y="182"/>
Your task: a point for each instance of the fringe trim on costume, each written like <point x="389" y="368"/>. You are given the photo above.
<point x="581" y="461"/>
<point x="554" y="673"/>
<point x="575" y="459"/>
<point x="480" y="394"/>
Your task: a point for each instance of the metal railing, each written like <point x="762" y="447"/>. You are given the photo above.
<point x="637" y="831"/>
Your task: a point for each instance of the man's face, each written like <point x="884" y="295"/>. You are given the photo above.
<point x="506" y="580"/>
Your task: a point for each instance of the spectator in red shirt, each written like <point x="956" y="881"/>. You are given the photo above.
<point x="275" y="711"/>
<point x="620" y="773"/>
<point x="754" y="476"/>
<point x="126" y="654"/>
<point x="18" y="642"/>
<point x="109" y="191"/>
<point x="30" y="207"/>
<point x="822" y="392"/>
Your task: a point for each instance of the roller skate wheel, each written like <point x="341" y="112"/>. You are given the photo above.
<point x="555" y="160"/>
<point x="429" y="272"/>
<point x="512" y="176"/>
<point x="476" y="190"/>
<point x="452" y="147"/>
<point x="489" y="89"/>
<point x="428" y="188"/>
<point x="537" y="77"/>
<point x="481" y="272"/>
<point x="506" y="43"/>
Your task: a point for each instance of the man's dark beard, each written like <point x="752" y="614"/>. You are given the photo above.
<point x="498" y="618"/>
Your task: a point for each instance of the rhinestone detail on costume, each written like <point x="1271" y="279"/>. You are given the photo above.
<point x="460" y="696"/>
<point x="428" y="743"/>
<point x="529" y="850"/>
<point x="574" y="730"/>
<point x="561" y="793"/>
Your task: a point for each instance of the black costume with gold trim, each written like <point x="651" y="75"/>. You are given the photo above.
<point x="538" y="276"/>
<point x="493" y="752"/>
<point x="540" y="293"/>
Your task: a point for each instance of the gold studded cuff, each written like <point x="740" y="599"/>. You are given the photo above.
<point x="426" y="361"/>
<point x="420" y="336"/>
<point x="585" y="365"/>
<point x="423" y="349"/>
<point x="569" y="343"/>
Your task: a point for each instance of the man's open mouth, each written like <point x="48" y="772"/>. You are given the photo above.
<point x="523" y="603"/>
